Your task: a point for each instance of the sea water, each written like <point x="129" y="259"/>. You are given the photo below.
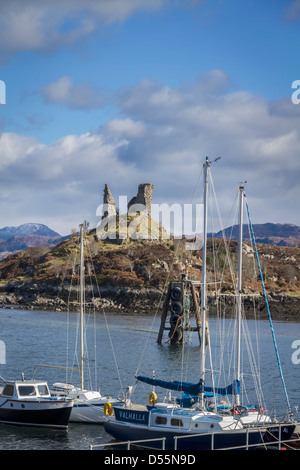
<point x="121" y="346"/>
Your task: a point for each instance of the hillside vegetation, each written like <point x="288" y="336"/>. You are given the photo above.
<point x="135" y="274"/>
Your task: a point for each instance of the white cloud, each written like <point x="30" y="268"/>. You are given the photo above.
<point x="258" y="140"/>
<point x="126" y="127"/>
<point x="163" y="139"/>
<point x="74" y="96"/>
<point x="14" y="149"/>
<point x="42" y="26"/>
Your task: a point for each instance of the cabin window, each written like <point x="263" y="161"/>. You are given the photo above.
<point x="176" y="422"/>
<point x="8" y="390"/>
<point x="160" y="420"/>
<point x="43" y="390"/>
<point x="26" y="390"/>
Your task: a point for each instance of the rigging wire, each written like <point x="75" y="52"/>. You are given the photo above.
<point x="107" y="327"/>
<point x="226" y="339"/>
<point x="269" y="313"/>
<point x="166" y="283"/>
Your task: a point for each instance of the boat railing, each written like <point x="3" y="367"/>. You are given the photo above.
<point x="277" y="443"/>
<point x="128" y="444"/>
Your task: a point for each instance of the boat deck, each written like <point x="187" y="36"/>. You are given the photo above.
<point x="291" y="444"/>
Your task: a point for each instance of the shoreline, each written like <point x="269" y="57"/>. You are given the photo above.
<point x="132" y="301"/>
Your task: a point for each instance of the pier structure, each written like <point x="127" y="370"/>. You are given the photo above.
<point x="180" y="308"/>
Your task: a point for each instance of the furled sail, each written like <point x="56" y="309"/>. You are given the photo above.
<point x="192" y="388"/>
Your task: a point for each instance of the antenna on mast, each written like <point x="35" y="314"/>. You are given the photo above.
<point x="215" y="160"/>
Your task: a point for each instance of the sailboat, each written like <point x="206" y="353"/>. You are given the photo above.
<point x="89" y="405"/>
<point x="248" y="414"/>
<point x="196" y="427"/>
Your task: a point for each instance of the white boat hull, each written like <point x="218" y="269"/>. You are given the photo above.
<point x="88" y="404"/>
<point x="88" y="412"/>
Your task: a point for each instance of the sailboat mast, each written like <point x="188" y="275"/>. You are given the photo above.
<point x="203" y="294"/>
<point x="239" y="286"/>
<point x="81" y="308"/>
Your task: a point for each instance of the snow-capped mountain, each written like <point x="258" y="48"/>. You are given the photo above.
<point x="27" y="229"/>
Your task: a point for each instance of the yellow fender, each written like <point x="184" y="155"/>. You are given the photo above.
<point x="108" y="409"/>
<point x="152" y="398"/>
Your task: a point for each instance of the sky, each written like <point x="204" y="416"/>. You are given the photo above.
<point x="125" y="92"/>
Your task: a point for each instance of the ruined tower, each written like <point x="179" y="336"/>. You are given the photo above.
<point x="108" y="202"/>
<point x="144" y="197"/>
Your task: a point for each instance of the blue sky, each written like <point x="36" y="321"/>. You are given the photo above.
<point x="131" y="91"/>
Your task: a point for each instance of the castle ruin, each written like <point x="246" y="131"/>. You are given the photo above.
<point x="109" y="203"/>
<point x="143" y="197"/>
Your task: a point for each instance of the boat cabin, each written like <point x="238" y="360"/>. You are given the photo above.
<point x="25" y="389"/>
<point x="168" y="417"/>
<point x="69" y="391"/>
<point x="181" y="418"/>
<point x="61" y="389"/>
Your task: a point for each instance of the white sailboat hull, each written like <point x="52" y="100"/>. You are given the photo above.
<point x="89" y="411"/>
<point x="88" y="405"/>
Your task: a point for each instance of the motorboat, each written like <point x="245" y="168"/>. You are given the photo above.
<point x="29" y="402"/>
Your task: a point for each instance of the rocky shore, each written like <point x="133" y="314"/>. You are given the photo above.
<point x="129" y="300"/>
<point x="131" y="277"/>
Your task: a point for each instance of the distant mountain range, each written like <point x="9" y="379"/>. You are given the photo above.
<point x="268" y="234"/>
<point x="27" y="229"/>
<point x="13" y="239"/>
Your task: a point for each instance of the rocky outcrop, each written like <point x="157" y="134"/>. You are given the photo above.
<point x="134" y="300"/>
<point x="53" y="297"/>
<point x="132" y="278"/>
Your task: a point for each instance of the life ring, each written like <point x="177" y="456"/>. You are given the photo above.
<point x="108" y="409"/>
<point x="152" y="398"/>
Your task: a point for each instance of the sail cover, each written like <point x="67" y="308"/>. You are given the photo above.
<point x="191" y="388"/>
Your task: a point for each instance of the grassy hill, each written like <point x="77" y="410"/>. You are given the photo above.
<point x="133" y="275"/>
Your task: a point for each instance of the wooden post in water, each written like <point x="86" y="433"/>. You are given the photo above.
<point x="197" y="311"/>
<point x="164" y="315"/>
<point x="179" y="314"/>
